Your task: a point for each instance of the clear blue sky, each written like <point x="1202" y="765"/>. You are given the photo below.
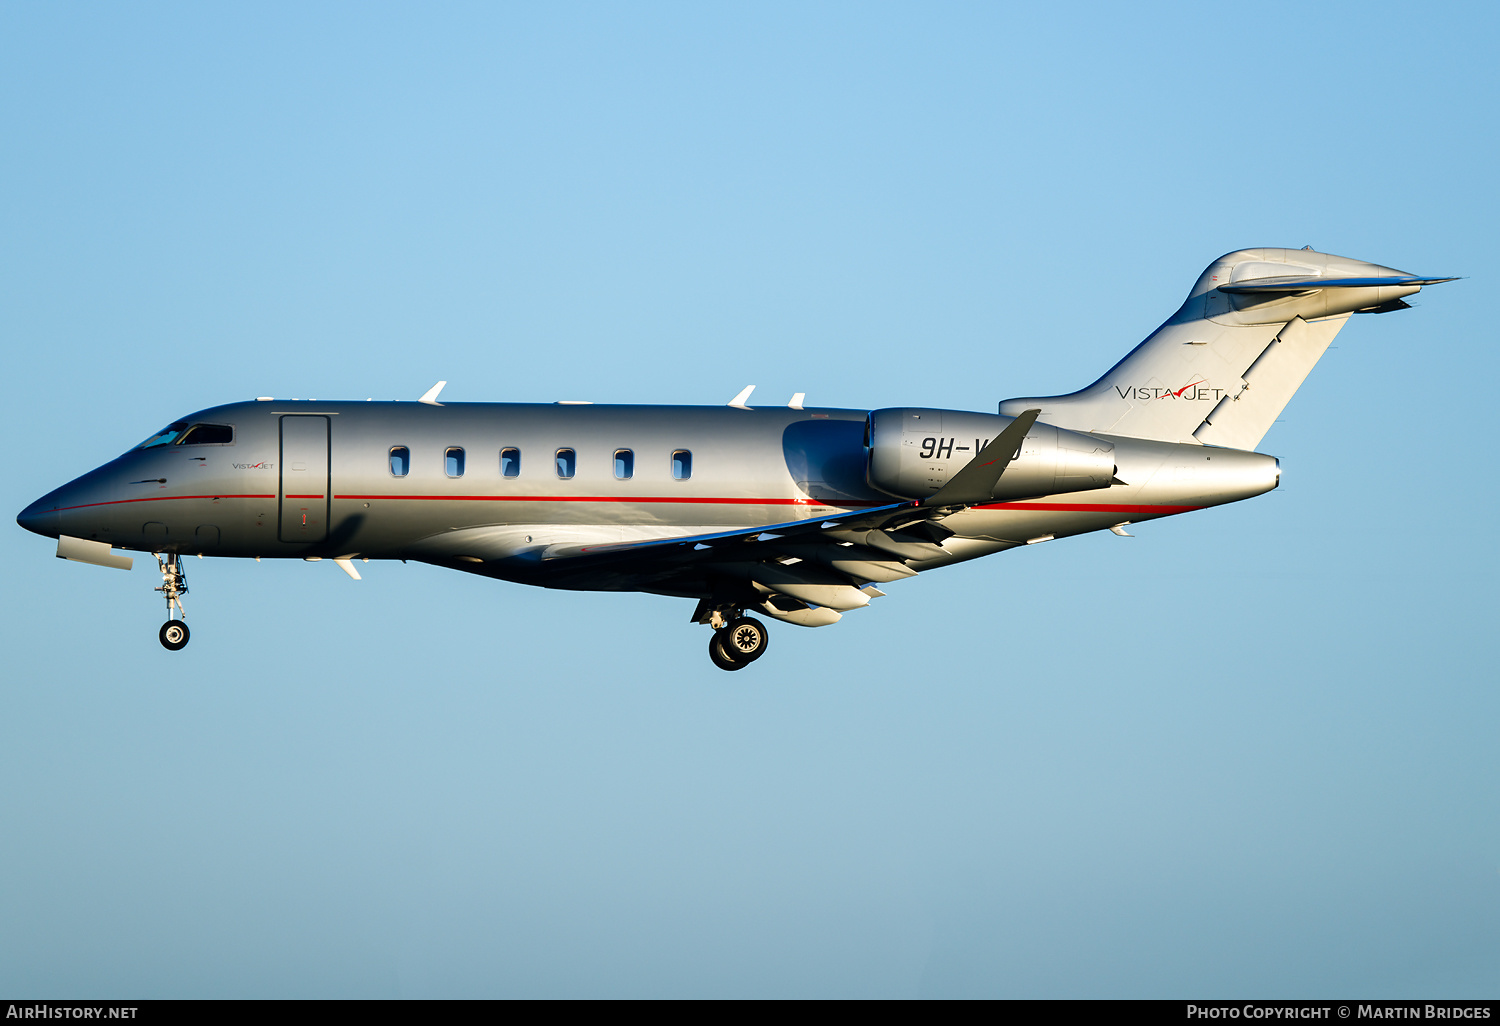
<point x="1249" y="752"/>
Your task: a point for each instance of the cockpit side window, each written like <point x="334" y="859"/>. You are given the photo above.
<point x="166" y="436"/>
<point x="207" y="434"/>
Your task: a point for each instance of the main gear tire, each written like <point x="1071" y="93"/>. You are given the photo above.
<point x="173" y="635"/>
<point x="745" y="639"/>
<point x="721" y="658"/>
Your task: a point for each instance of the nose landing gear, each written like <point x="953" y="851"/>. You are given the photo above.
<point x="738" y="643"/>
<point x="174" y="633"/>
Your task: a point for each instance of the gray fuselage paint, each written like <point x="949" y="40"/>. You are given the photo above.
<point x="749" y="468"/>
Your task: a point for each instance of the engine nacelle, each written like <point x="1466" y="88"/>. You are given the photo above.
<point x="913" y="453"/>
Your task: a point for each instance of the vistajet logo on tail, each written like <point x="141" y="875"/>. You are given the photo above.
<point x="1196" y="391"/>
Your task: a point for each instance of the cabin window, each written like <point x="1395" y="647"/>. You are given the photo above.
<point x="166" y="436"/>
<point x="400" y="461"/>
<point x="207" y="434"/>
<point x="510" y="462"/>
<point x="567" y="463"/>
<point x="453" y="462"/>
<point x="682" y="465"/>
<point x="624" y="464"/>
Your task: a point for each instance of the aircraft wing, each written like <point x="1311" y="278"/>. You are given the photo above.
<point x="803" y="571"/>
<point x="761" y="541"/>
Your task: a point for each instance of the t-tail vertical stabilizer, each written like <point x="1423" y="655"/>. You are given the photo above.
<point x="1224" y="366"/>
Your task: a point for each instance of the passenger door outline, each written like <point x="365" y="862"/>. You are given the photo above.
<point x="305" y="478"/>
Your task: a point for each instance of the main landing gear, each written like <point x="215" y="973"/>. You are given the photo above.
<point x="737" y="643"/>
<point x="174" y="633"/>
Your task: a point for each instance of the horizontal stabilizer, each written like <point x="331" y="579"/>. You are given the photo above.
<point x="1302" y="283"/>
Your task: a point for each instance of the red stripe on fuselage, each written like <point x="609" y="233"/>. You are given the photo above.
<point x="612" y="498"/>
<point x="1041" y="507"/>
<point x="1037" y="507"/>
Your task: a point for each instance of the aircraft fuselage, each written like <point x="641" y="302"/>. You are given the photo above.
<point x="483" y="487"/>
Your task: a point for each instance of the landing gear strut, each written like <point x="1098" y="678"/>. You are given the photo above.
<point x="174" y="633"/>
<point x="738" y="643"/>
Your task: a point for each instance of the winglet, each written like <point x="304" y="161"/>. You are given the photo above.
<point x="975" y="481"/>
<point x="739" y="401"/>
<point x="430" y="396"/>
<point x="796" y="402"/>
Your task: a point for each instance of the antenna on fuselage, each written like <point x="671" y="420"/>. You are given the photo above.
<point x="739" y="401"/>
<point x="796" y="402"/>
<point x="430" y="396"/>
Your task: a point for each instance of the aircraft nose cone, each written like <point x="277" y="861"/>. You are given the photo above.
<point x="39" y="518"/>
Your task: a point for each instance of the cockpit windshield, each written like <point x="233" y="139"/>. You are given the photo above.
<point x="166" y="436"/>
<point x="208" y="434"/>
<point x="198" y="434"/>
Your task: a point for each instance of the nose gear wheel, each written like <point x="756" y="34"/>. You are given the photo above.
<point x="173" y="635"/>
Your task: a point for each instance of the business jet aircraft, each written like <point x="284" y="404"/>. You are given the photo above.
<point x="799" y="513"/>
